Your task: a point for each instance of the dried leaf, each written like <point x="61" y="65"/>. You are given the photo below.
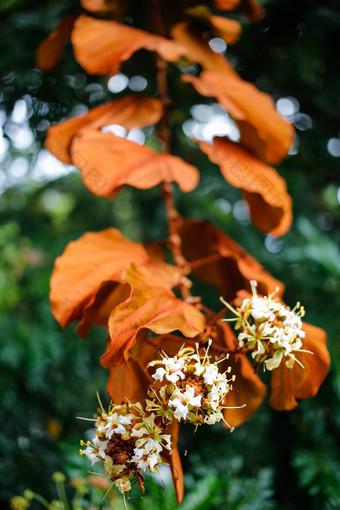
<point x="79" y="272"/>
<point x="262" y="129"/>
<point x="131" y="111"/>
<point x="115" y="7"/>
<point x="252" y="10"/>
<point x="197" y="49"/>
<point x="288" y="384"/>
<point x="51" y="50"/>
<point x="225" y="264"/>
<point x="152" y="305"/>
<point x="225" y="5"/>
<point x="108" y="162"/>
<point x="225" y="28"/>
<point x="265" y="191"/>
<point x="101" y="46"/>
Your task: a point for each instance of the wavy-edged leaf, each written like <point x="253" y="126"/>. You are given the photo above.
<point x="51" y="50"/>
<point x="152" y="306"/>
<point x="218" y="260"/>
<point x="289" y="384"/>
<point x="131" y="111"/>
<point x="197" y="49"/>
<point x="101" y="46"/>
<point x="85" y="265"/>
<point x="265" y="191"/>
<point x="227" y="29"/>
<point x="262" y="129"/>
<point x="108" y="162"/>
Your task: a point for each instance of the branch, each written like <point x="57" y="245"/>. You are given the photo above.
<point x="174" y="240"/>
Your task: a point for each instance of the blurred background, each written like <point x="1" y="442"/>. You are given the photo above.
<point x="48" y="376"/>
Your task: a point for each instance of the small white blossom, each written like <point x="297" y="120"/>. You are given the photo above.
<point x="210" y="374"/>
<point x="115" y="424"/>
<point x="159" y="374"/>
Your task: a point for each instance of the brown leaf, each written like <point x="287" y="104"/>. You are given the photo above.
<point x="225" y="264"/>
<point x="262" y="129"/>
<point x="152" y="305"/>
<point x="265" y="191"/>
<point x="225" y="5"/>
<point x="101" y="46"/>
<point x="197" y="49"/>
<point x="225" y="28"/>
<point x="79" y="272"/>
<point x="51" y="50"/>
<point x="131" y="111"/>
<point x="288" y="384"/>
<point x="115" y="7"/>
<point x="252" y="10"/>
<point x="108" y="162"/>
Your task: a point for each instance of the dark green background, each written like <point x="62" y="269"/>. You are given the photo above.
<point x="276" y="460"/>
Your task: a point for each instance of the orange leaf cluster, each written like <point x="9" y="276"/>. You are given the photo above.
<point x="126" y="287"/>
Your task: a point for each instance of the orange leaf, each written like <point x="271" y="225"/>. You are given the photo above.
<point x="79" y="272"/>
<point x="197" y="49"/>
<point x="264" y="190"/>
<point x="262" y="129"/>
<point x="225" y="264"/>
<point x="252" y="10"/>
<point x="174" y="461"/>
<point x="117" y="7"/>
<point x="153" y="306"/>
<point x="51" y="50"/>
<point x="227" y="29"/>
<point x="101" y="46"/>
<point x="108" y="162"/>
<point x="248" y="388"/>
<point x="288" y="384"/>
<point x="225" y="5"/>
<point x="131" y="111"/>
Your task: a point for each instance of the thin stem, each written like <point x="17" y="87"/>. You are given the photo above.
<point x="174" y="240"/>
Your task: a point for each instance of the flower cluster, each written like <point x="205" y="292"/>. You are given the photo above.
<point x="128" y="441"/>
<point x="189" y="387"/>
<point x="271" y="330"/>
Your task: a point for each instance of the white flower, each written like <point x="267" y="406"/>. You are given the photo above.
<point x="91" y="455"/>
<point x="115" y="424"/>
<point x="199" y="369"/>
<point x="211" y="419"/>
<point x="183" y="400"/>
<point x="138" y="454"/>
<point x="261" y="309"/>
<point x="173" y="364"/>
<point x="159" y="374"/>
<point x="175" y="376"/>
<point x="181" y="410"/>
<point x="152" y="446"/>
<point x="152" y="461"/>
<point x="210" y="374"/>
